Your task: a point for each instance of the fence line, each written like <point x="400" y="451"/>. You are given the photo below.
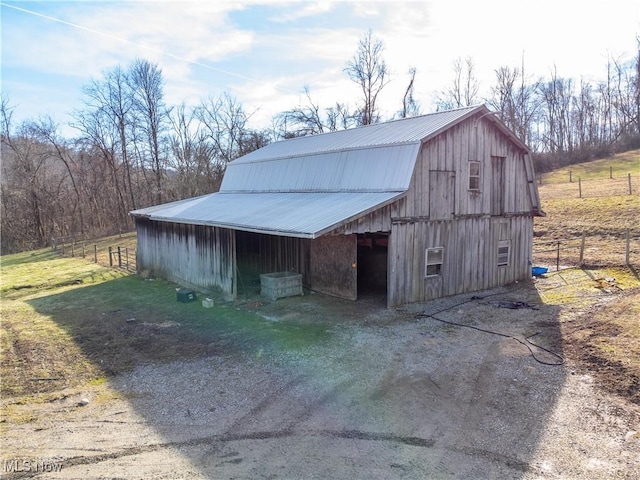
<point x="577" y="187"/>
<point x="592" y="250"/>
<point x="117" y="256"/>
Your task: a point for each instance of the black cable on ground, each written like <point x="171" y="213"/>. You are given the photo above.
<point x="527" y="343"/>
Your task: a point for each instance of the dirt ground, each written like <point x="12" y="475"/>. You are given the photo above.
<point x="455" y="388"/>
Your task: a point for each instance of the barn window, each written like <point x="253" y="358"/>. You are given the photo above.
<point x="474" y="176"/>
<point x="504" y="249"/>
<point x="433" y="266"/>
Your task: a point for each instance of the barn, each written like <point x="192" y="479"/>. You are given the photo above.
<point x="416" y="209"/>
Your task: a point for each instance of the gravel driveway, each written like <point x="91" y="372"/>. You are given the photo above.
<point x="385" y="394"/>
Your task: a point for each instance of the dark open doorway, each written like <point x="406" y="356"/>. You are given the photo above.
<point x="372" y="264"/>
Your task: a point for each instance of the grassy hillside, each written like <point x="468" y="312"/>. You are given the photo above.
<point x="604" y="214"/>
<point x="617" y="166"/>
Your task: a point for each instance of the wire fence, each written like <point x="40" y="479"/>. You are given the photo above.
<point x="123" y="256"/>
<point x="584" y="251"/>
<point x="574" y="186"/>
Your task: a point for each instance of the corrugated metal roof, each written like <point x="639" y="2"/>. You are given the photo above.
<point x="380" y="169"/>
<point x="306" y="215"/>
<point x="305" y="187"/>
<point x="408" y="130"/>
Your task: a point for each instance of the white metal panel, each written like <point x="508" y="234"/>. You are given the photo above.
<point x="407" y="130"/>
<point x="386" y="168"/>
<point x="306" y="215"/>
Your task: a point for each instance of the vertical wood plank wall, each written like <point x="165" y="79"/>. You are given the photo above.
<point x="261" y="253"/>
<point x="194" y="256"/>
<point x="333" y="267"/>
<point x="440" y="211"/>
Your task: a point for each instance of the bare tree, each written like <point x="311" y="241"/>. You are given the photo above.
<point x="105" y="126"/>
<point x="150" y="114"/>
<point x="224" y="122"/>
<point x="514" y="96"/>
<point x="310" y="119"/>
<point x="368" y="69"/>
<point x="410" y="107"/>
<point x="192" y="155"/>
<point x="33" y="188"/>
<point x="464" y="88"/>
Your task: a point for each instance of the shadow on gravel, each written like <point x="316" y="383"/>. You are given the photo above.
<point x="317" y="387"/>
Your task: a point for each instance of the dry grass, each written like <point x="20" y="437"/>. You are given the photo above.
<point x="605" y="340"/>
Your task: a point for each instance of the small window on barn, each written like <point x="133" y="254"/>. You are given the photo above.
<point x="434" y="261"/>
<point x="504" y="249"/>
<point x="474" y="176"/>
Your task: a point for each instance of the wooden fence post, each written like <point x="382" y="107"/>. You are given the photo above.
<point x="582" y="249"/>
<point x="95" y="253"/>
<point x="110" y="257"/>
<point x="119" y="258"/>
<point x="73" y="249"/>
<point x="610" y="172"/>
<point x="570" y="179"/>
<point x="558" y="258"/>
<point x="580" y="186"/>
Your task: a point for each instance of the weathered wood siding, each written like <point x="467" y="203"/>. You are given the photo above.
<point x="194" y="256"/>
<point x="261" y="253"/>
<point x="439" y="186"/>
<point x="440" y="210"/>
<point x="333" y="263"/>
<point x="470" y="256"/>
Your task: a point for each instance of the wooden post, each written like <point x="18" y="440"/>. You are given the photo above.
<point x="95" y="253"/>
<point x="610" y="172"/>
<point x="110" y="257"/>
<point x="73" y="249"/>
<point x="558" y="258"/>
<point x="126" y="257"/>
<point x="626" y="251"/>
<point x="630" y="190"/>
<point x="119" y="258"/>
<point x="570" y="179"/>
<point x="580" y="186"/>
<point x="582" y="249"/>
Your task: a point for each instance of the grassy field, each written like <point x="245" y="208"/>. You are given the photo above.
<point x="607" y="338"/>
<point x="604" y="214"/>
<point x="67" y="322"/>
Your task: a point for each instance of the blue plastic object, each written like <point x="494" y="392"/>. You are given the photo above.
<point x="537" y="271"/>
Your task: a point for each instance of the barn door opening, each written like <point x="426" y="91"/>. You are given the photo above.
<point x="373" y="250"/>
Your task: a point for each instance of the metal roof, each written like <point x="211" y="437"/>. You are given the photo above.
<point x="407" y="130"/>
<point x="308" y="186"/>
<point x="378" y="169"/>
<point x="305" y="215"/>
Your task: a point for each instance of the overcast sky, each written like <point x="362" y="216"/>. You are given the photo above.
<point x="265" y="52"/>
